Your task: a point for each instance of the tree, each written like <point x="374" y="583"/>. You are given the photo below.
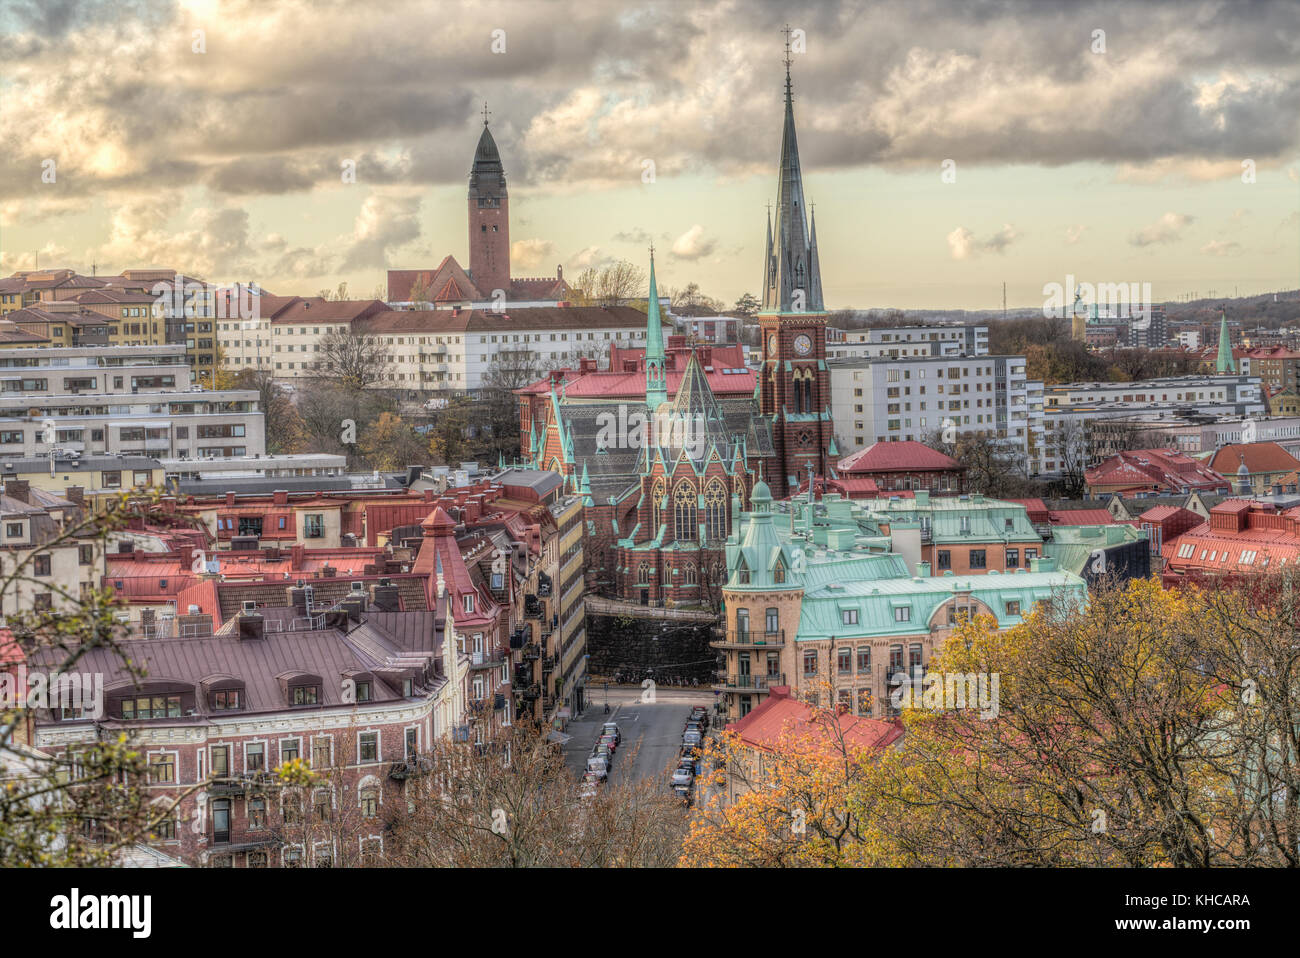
<point x="389" y="444"/>
<point x="77" y="806"/>
<point x="509" y="801"/>
<point x="1153" y="728"/>
<point x="689" y="301"/>
<point x="421" y="294"/>
<point x="354" y="361"/>
<point x="993" y="467"/>
<point x="339" y="294"/>
<point x="283" y="425"/>
<point x="747" y="305"/>
<point x="611" y="285"/>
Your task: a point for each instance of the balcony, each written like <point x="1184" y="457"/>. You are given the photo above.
<point x="532" y="607"/>
<point x="235" y="786"/>
<point x="518" y="637"/>
<point x="532" y="652"/>
<point x="758" y="683"/>
<point x="750" y="640"/>
<point x="548" y="663"/>
<point x="486" y="660"/>
<point x="413" y="766"/>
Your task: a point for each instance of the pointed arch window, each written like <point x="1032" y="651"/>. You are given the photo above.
<point x="685" y="513"/>
<point x="656" y="506"/>
<point x="689" y="574"/>
<point x="715" y="511"/>
<point x="742" y="571"/>
<point x="643" y="574"/>
<point x="778" y="572"/>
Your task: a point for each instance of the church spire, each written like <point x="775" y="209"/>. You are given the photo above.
<point x="656" y="377"/>
<point x="790" y="282"/>
<point x="1223" y="364"/>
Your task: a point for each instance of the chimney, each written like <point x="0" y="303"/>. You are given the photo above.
<point x="76" y="495"/>
<point x="18" y="489"/>
<point x="230" y="500"/>
<point x="297" y="552"/>
<point x="923" y="570"/>
<point x="280" y="497"/>
<point x="385" y="596"/>
<point x="298" y="598"/>
<point x="354" y="605"/>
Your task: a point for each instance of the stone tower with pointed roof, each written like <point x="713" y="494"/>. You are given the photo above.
<point x="656" y="373"/>
<point x="1224" y="364"/>
<point x="794" y="384"/>
<point x="489" y="218"/>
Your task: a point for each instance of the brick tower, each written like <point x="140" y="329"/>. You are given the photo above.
<point x="489" y="218"/>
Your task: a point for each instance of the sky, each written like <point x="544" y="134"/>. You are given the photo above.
<point x="948" y="148"/>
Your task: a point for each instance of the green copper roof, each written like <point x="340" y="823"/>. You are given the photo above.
<point x="1223" y="363"/>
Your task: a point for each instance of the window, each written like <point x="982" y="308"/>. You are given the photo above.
<point x="256" y="814"/>
<point x="152" y="706"/>
<point x="320" y="753"/>
<point x="14" y="530"/>
<point x="685" y="516"/>
<point x="369" y="801"/>
<point x="864" y="660"/>
<point x="1013" y="607"/>
<point x="977" y="559"/>
<point x="773" y="620"/>
<point x="254" y="757"/>
<point x="943" y="559"/>
<point x="849" y="616"/>
<point x="289" y="749"/>
<point x="810" y="663"/>
<point x="844" y="661"/>
<point x="715" y="511"/>
<point x="224" y="700"/>
<point x="304" y="694"/>
<point x="162" y="769"/>
<point x="314" y="527"/>
<point x="368" y="747"/>
<point x="742" y="572"/>
<point x="112" y="479"/>
<point x="41" y="564"/>
<point x="363" y="692"/>
<point x="85" y="555"/>
<point x="321" y="805"/>
<point x="221" y="760"/>
<point x="412" y="742"/>
<point x="1013" y="558"/>
<point x="903" y="613"/>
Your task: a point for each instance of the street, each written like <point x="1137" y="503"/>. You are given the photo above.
<point x="652" y="732"/>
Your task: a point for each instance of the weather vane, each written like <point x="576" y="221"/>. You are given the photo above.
<point x="486" y="114"/>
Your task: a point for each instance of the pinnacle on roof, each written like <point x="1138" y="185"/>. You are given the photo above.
<point x="656" y="376"/>
<point x="487" y="174"/>
<point x="694" y="420"/>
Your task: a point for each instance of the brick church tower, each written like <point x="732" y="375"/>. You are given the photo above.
<point x="794" y="384"/>
<point x="489" y="218"/>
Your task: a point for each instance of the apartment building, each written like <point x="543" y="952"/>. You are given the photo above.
<point x="896" y="342"/>
<point x="821" y="599"/>
<point x="432" y="352"/>
<point x="56" y="573"/>
<point x="119" y="399"/>
<point x="907" y="399"/>
<point x="1071" y="412"/>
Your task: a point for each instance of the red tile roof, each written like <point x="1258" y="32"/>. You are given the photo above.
<point x="898" y="457"/>
<point x="1154" y="469"/>
<point x="1258" y="457"/>
<point x="781" y="715"/>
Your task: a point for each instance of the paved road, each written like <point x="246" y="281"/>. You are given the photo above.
<point x="652" y="732"/>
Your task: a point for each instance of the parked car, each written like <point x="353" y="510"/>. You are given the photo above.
<point x="609" y="740"/>
<point x="604" y="751"/>
<point x="683" y="792"/>
<point x="691" y="737"/>
<point x="596" y="765"/>
<point x="589" y="785"/>
<point x="682" y="775"/>
<point x="690" y="751"/>
<point x="609" y="727"/>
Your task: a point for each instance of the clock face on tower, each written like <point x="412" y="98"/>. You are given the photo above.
<point x="771" y="345"/>
<point x="803" y="344"/>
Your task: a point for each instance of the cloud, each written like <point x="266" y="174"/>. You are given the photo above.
<point x="1073" y="234"/>
<point x="963" y="244"/>
<point x="1221" y="248"/>
<point x="530" y="253"/>
<point x="1168" y="229"/>
<point x="636" y="235"/>
<point x="693" y="244"/>
<point x="591" y="256"/>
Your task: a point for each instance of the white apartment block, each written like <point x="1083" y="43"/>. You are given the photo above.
<point x="431" y="352"/>
<point x="1163" y="403"/>
<point x="897" y="342"/>
<point x="96" y="400"/>
<point x="893" y="400"/>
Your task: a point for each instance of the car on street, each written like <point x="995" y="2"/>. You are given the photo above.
<point x="690" y="751"/>
<point x="683" y="793"/>
<point x="598" y="766"/>
<point x="609" y="740"/>
<point x="604" y="751"/>
<point x="611" y="728"/>
<point x="691" y="737"/>
<point x="682" y="776"/>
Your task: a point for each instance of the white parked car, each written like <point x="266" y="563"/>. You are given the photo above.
<point x="682" y="776"/>
<point x="598" y="766"/>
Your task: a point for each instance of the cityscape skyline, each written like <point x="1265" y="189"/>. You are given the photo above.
<point x="625" y="148"/>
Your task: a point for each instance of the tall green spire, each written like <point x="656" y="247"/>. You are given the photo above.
<point x="1224" y="364"/>
<point x="656" y="377"/>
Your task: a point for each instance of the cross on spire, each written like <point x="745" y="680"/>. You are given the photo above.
<point x="652" y="250"/>
<point x="486" y="113"/>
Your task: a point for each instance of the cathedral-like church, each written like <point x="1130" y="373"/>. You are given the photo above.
<point x="667" y="443"/>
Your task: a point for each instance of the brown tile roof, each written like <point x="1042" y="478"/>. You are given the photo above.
<point x="534" y="318"/>
<point x="314" y="309"/>
<point x="1258" y="456"/>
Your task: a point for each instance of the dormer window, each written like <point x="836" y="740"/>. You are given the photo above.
<point x="469" y="603"/>
<point x="225" y="700"/>
<point x="778" y="573"/>
<point x="742" y="573"/>
<point x="304" y="695"/>
<point x="363" y="691"/>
